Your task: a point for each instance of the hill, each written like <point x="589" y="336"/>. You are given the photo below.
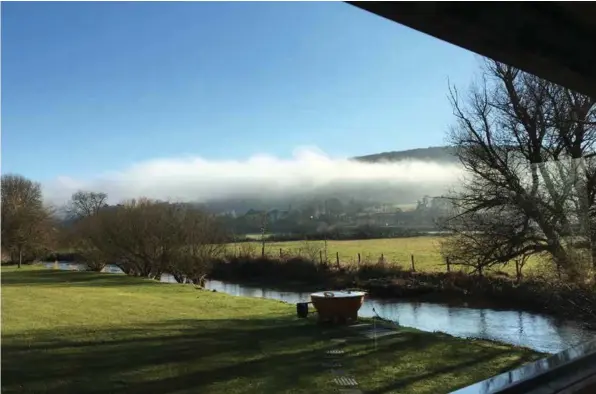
<point x="442" y="154"/>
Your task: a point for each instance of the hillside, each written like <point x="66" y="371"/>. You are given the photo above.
<point x="369" y="195"/>
<point x="442" y="154"/>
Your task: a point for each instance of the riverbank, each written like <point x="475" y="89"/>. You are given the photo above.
<point x="383" y="280"/>
<point x="119" y="334"/>
<point x="395" y="251"/>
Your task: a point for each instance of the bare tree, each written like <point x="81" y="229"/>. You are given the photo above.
<point x="200" y="241"/>
<point x="527" y="146"/>
<point x="149" y="238"/>
<point x="85" y="234"/>
<point x="86" y="203"/>
<point x="26" y="223"/>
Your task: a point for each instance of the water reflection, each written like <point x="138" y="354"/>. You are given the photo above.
<point x="536" y="331"/>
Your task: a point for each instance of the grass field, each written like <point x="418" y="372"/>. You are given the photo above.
<point x="82" y="332"/>
<point x="394" y="250"/>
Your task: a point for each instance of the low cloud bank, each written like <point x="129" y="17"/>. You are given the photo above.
<point x="261" y="176"/>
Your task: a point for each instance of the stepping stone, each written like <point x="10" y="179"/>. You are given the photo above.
<point x="350" y="391"/>
<point x="360" y="325"/>
<point x="345" y="381"/>
<point x="382" y="332"/>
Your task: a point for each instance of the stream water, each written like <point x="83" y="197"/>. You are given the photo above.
<point x="536" y="331"/>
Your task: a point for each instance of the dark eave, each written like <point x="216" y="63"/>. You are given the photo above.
<point x="554" y="40"/>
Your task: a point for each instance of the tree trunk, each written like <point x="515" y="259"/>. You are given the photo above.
<point x="20" y="257"/>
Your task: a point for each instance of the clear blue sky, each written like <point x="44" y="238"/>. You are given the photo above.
<point x="94" y="87"/>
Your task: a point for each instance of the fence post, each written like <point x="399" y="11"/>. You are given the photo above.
<point x="412" y="259"/>
<point x="358" y="259"/>
<point x="382" y="258"/>
<point x="337" y="259"/>
<point x="280" y="254"/>
<point x="448" y="264"/>
<point x="321" y="256"/>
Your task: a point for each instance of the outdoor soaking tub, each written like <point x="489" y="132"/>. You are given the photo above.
<point x="337" y="306"/>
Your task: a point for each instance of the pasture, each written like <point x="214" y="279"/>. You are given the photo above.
<point x="425" y="249"/>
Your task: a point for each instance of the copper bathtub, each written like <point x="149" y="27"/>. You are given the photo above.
<point x="337" y="306"/>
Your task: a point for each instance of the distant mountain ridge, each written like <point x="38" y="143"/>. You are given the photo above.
<point x="440" y="154"/>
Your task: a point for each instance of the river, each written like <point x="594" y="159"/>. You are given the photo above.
<point x="533" y="330"/>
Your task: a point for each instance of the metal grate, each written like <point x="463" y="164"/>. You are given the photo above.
<point x="345" y="381"/>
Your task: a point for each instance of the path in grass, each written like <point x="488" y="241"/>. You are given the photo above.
<point x="99" y="333"/>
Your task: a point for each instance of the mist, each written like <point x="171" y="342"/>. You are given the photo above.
<point x="308" y="172"/>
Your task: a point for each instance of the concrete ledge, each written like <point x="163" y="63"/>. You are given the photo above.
<point x="571" y="371"/>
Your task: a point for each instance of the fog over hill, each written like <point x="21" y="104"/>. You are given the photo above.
<point x="269" y="181"/>
<point x="438" y="154"/>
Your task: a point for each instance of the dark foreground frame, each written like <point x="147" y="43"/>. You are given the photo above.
<point x="553" y="40"/>
<point x="570" y="371"/>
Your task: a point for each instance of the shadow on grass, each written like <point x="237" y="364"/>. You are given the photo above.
<point x="69" y="278"/>
<point x="261" y="355"/>
<point x="401" y="384"/>
<point x="184" y="355"/>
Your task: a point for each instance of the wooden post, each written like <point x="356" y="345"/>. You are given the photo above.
<point x="358" y="259"/>
<point x="321" y="256"/>
<point x="382" y="258"/>
<point x="337" y="259"/>
<point x="448" y="264"/>
<point x="280" y="254"/>
<point x="412" y="259"/>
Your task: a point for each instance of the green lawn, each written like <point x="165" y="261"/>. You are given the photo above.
<point x="79" y="332"/>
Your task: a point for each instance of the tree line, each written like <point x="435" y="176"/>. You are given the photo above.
<point x="143" y="237"/>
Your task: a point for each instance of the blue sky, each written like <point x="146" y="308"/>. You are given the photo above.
<point x="95" y="87"/>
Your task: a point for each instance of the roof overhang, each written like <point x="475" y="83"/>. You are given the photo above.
<point x="553" y="40"/>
